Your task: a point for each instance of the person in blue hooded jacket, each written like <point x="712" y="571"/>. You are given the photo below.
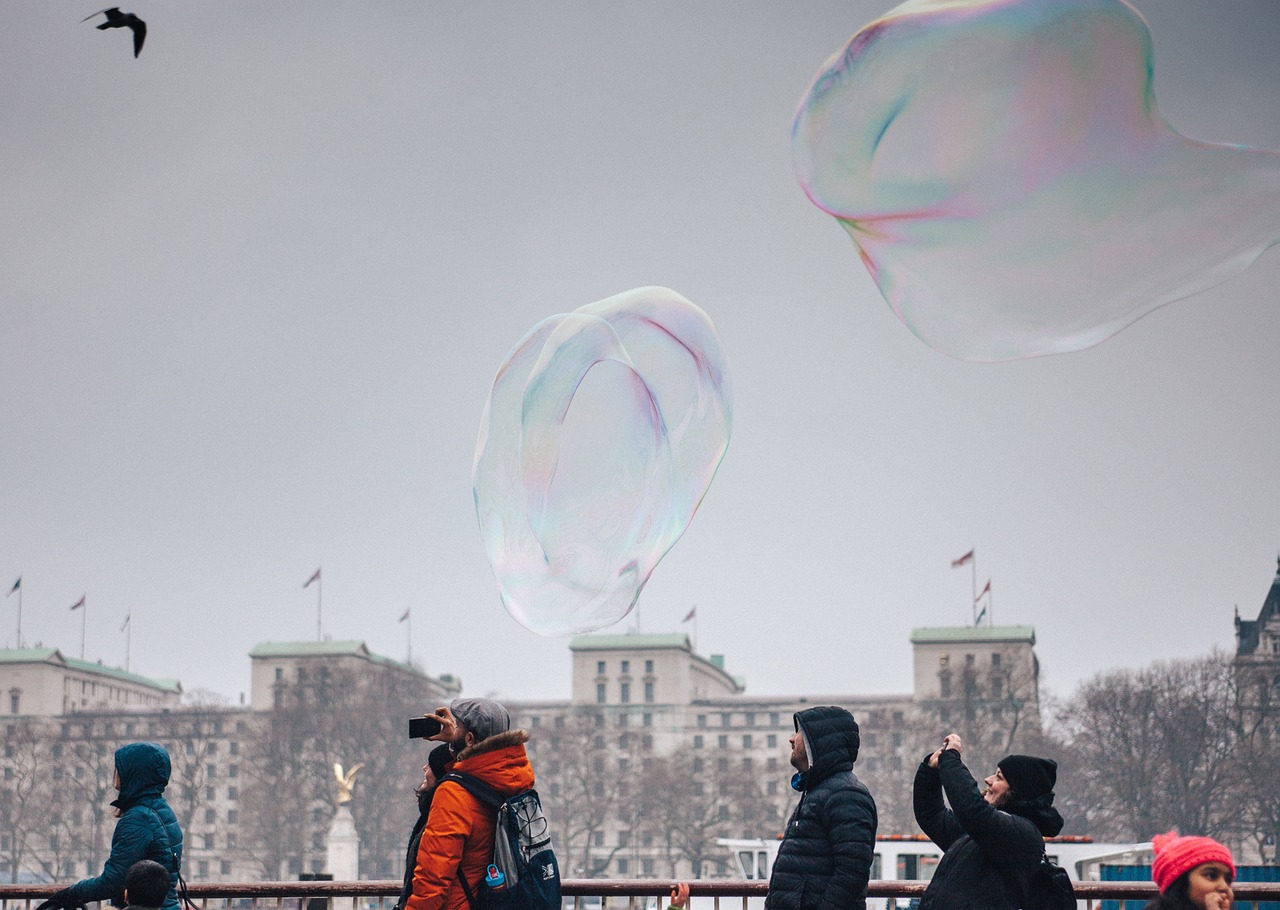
<point x="147" y="829"/>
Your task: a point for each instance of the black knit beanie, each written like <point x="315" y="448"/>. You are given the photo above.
<point x="1029" y="776"/>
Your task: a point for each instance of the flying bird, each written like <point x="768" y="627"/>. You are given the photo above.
<point x="117" y="19"/>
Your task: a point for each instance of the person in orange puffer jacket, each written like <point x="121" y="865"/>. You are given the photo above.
<point x="460" y="829"/>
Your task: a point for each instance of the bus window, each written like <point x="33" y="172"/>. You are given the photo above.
<point x="906" y="867"/>
<point x="928" y="865"/>
<point x="875" y="867"/>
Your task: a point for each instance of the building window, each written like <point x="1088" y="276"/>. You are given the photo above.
<point x="15" y="701"/>
<point x="210" y="816"/>
<point x="648" y="666"/>
<point x="208" y="794"/>
<point x="232" y="793"/>
<point x="648" y="692"/>
<point x="233" y="770"/>
<point x="771" y="740"/>
<point x="624" y="693"/>
<point x="226" y="867"/>
<point x="702" y="720"/>
<point x="279" y="672"/>
<point x="698" y="765"/>
<point x="722" y="741"/>
<point x="647" y="719"/>
<point x="773" y="718"/>
<point x="626" y="667"/>
<point x="622" y="867"/>
<point x="697" y="742"/>
<point x="202" y="868"/>
<point x="599" y="668"/>
<point x="232" y="816"/>
<point x="597" y="838"/>
<point x="995" y="659"/>
<point x="997" y="687"/>
<point x="599" y="693"/>
<point x="944" y="684"/>
<point x="746" y="740"/>
<point x="771" y="788"/>
<point x="751" y="719"/>
<point x="726" y="719"/>
<point x="647" y="867"/>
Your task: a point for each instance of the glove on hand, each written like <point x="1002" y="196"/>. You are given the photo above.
<point x="61" y="900"/>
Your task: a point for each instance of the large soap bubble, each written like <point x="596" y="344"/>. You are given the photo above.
<point x="1009" y="182"/>
<point x="601" y="435"/>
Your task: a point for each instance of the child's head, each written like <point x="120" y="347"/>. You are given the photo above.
<point x="1190" y="868"/>
<point x="146" y="884"/>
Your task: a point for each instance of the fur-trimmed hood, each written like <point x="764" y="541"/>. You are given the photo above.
<point x="497" y="741"/>
<point x="500" y="761"/>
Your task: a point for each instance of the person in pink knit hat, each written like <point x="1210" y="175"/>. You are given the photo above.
<point x="1192" y="873"/>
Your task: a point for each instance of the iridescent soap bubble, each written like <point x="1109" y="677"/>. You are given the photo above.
<point x="1009" y="182"/>
<point x="601" y="435"/>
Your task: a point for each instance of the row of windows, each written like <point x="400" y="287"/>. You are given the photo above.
<point x="624" y="693"/>
<point x="623" y="668"/>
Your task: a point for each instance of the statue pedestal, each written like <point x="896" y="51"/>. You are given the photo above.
<point x="344" y="854"/>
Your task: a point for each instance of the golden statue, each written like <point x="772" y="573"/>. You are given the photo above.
<point x="346" y="782"/>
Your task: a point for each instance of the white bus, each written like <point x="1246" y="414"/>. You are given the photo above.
<point x="913" y="857"/>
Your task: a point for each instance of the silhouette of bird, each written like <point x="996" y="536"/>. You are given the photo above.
<point x="117" y="19"/>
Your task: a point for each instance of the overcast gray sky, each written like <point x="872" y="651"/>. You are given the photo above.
<point x="255" y="284"/>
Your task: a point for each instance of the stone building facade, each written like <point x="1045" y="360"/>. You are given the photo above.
<point x="640" y="705"/>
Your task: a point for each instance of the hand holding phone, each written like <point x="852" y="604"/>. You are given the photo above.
<point x="424" y="727"/>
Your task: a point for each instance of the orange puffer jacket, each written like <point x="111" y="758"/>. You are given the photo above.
<point x="460" y="828"/>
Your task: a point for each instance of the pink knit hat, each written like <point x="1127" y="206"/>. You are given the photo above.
<point x="1176" y="855"/>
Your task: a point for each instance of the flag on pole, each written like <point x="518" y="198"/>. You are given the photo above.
<point x="980" y="615"/>
<point x="79" y="603"/>
<point x="692" y="613"/>
<point x="963" y="560"/>
<point x="404" y="617"/>
<point x="125" y="624"/>
<point x="983" y="593"/>
<point x="16" y="585"/>
<point x="314" y="577"/>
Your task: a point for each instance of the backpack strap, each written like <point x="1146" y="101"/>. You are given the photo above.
<point x="477" y="788"/>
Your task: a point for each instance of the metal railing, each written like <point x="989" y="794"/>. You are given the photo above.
<point x="598" y="894"/>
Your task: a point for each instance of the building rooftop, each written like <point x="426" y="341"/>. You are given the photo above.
<point x="309" y="649"/>
<point x="53" y="655"/>
<point x="961" y="634"/>
<point x="634" y="642"/>
<point x="1248" y="631"/>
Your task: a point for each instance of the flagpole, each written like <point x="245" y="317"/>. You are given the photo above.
<point x="84" y="612"/>
<point x="19" y="612"/>
<point x="973" y="586"/>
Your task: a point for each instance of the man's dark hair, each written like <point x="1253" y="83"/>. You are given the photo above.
<point x="146" y="884"/>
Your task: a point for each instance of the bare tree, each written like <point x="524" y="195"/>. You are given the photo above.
<point x="1157" y="747"/>
<point x="24" y="797"/>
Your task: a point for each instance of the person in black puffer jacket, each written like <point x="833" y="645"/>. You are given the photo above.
<point x="147" y="829"/>
<point x="991" y="840"/>
<point x="824" y="860"/>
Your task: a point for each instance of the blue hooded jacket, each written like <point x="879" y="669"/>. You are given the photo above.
<point x="147" y="828"/>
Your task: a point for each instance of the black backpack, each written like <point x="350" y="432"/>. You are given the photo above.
<point x="1049" y="887"/>
<point x="523" y="874"/>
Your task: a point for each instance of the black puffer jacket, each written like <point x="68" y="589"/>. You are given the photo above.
<point x="824" y="860"/>
<point x="987" y="852"/>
